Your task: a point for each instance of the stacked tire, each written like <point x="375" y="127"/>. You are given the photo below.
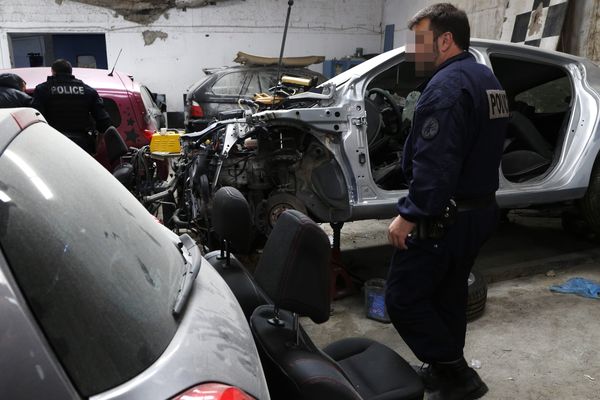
<point x="477" y="296"/>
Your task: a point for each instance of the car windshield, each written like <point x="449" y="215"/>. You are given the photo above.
<point x="99" y="273"/>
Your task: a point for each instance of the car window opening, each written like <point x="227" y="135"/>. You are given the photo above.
<point x="540" y="100"/>
<point x="388" y="99"/>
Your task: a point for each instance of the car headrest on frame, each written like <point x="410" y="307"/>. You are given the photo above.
<point x="231" y="218"/>
<point x="294" y="267"/>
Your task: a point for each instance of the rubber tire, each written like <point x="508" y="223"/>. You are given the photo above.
<point x="589" y="203"/>
<point x="477" y="297"/>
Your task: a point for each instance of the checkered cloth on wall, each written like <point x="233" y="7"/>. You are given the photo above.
<point x="534" y="22"/>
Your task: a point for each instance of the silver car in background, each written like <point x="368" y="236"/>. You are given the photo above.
<point x="337" y="153"/>
<point x="97" y="299"/>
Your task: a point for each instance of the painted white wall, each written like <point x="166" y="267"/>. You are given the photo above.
<point x="203" y="37"/>
<point x="485" y="16"/>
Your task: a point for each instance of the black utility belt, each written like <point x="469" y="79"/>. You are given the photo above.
<point x="435" y="228"/>
<point x="475" y="203"/>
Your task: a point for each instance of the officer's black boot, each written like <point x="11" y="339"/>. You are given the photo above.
<point x="457" y="381"/>
<point x="428" y="376"/>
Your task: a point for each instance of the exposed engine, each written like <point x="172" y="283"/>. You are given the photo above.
<point x="265" y="161"/>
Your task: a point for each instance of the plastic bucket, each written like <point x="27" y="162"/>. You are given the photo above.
<point x="375" y="300"/>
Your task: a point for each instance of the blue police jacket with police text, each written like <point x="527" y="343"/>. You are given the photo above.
<point x="456" y="141"/>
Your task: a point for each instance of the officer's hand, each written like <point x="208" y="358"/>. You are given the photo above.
<point x="398" y="231"/>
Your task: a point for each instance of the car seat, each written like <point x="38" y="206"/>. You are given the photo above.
<point x="357" y="367"/>
<point x="523" y="164"/>
<point x="294" y="272"/>
<point x="232" y="223"/>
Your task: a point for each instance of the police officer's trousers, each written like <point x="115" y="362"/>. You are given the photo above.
<point x="427" y="286"/>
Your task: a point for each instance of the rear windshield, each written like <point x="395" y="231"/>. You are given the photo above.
<point x="98" y="272"/>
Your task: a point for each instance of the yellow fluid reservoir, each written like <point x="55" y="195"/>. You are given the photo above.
<point x="167" y="143"/>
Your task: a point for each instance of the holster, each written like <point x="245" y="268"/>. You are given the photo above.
<point x="436" y="227"/>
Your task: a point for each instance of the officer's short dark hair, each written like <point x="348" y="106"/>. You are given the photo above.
<point x="445" y="17"/>
<point x="62" y="66"/>
<point x="20" y="81"/>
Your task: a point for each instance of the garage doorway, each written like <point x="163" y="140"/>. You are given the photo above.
<point x="41" y="49"/>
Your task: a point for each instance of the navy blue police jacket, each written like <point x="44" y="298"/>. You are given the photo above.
<point x="455" y="145"/>
<point x="67" y="104"/>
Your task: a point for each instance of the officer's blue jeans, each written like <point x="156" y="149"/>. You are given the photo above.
<point x="427" y="286"/>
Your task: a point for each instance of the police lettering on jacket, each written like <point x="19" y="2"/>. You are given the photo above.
<point x="71" y="106"/>
<point x="498" y="104"/>
<point x="65" y="89"/>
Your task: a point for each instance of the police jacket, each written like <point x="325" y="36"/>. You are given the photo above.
<point x="11" y="94"/>
<point x="68" y="103"/>
<point x="455" y="145"/>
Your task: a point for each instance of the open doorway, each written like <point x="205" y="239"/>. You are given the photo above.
<point x="41" y="49"/>
<point x="389" y="103"/>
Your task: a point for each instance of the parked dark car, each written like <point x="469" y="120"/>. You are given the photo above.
<point x="97" y="299"/>
<point x="133" y="108"/>
<point x="222" y="88"/>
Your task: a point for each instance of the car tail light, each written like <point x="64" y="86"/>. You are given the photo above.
<point x="214" y="391"/>
<point x="196" y="110"/>
<point x="148" y="134"/>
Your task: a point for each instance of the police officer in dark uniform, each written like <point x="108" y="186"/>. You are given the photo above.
<point x="12" y="91"/>
<point x="451" y="161"/>
<point x="69" y="105"/>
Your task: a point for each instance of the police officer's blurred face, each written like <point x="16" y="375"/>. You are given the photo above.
<point x="424" y="48"/>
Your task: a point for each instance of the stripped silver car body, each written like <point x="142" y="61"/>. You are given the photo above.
<point x="558" y="92"/>
<point x="207" y="339"/>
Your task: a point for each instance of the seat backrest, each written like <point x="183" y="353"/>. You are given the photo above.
<point x="526" y="132"/>
<point x="240" y="281"/>
<point x="294" y="267"/>
<point x="232" y="222"/>
<point x="115" y="145"/>
<point x="294" y="272"/>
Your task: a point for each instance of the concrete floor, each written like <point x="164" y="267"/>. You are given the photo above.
<point x="531" y="343"/>
<point x="530" y="242"/>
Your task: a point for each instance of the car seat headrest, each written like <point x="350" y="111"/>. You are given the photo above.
<point x="294" y="267"/>
<point x="231" y="218"/>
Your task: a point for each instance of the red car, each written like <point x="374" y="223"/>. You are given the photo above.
<point x="132" y="107"/>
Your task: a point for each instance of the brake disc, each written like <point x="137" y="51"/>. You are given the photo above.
<point x="269" y="210"/>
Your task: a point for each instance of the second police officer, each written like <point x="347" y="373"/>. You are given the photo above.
<point x="71" y="107"/>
